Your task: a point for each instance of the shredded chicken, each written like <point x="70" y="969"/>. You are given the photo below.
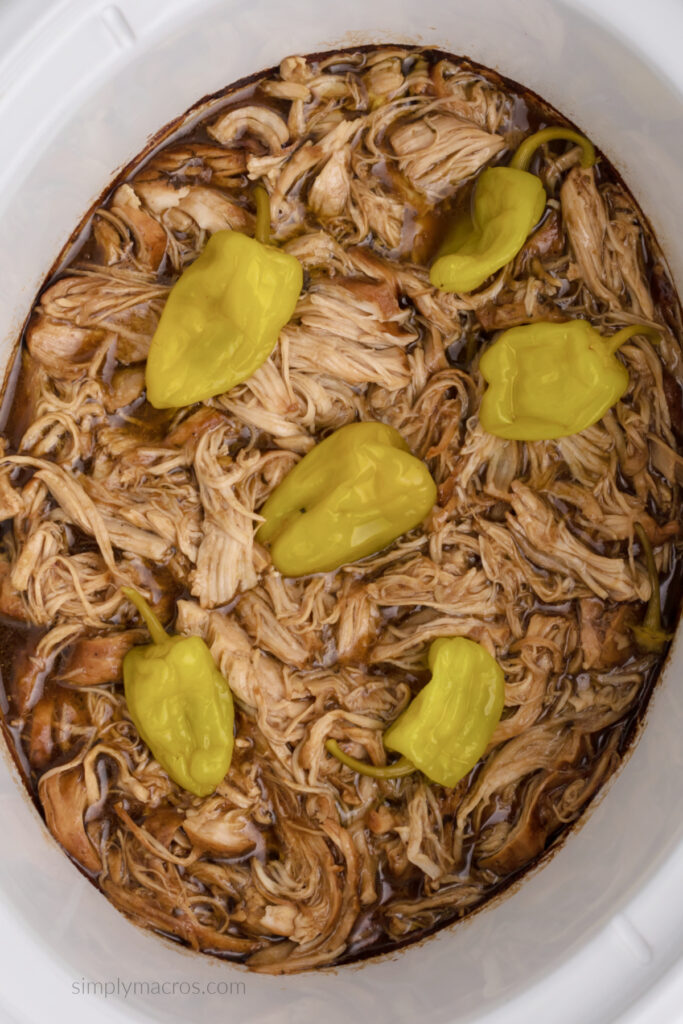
<point x="296" y="861"/>
<point x="439" y="151"/>
<point x="64" y="801"/>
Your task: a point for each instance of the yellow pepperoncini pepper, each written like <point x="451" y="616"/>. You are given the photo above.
<point x="180" y="703"/>
<point x="223" y="316"/>
<point x="447" y="727"/>
<point x="507" y="202"/>
<point x="650" y="635"/>
<point x="550" y="380"/>
<point x="350" y="496"/>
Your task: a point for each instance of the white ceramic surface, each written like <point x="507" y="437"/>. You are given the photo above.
<point x="83" y="83"/>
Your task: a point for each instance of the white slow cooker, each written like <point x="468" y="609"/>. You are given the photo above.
<point x="596" y="935"/>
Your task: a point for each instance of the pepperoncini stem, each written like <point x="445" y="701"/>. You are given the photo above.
<point x="156" y="630"/>
<point x="653" y="614"/>
<point x="526" y="150"/>
<point x="262" y="199"/>
<point x="390" y="771"/>
<point x="622" y="336"/>
<point x="650" y="636"/>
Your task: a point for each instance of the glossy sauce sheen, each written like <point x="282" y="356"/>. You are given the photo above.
<point x="17" y="641"/>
